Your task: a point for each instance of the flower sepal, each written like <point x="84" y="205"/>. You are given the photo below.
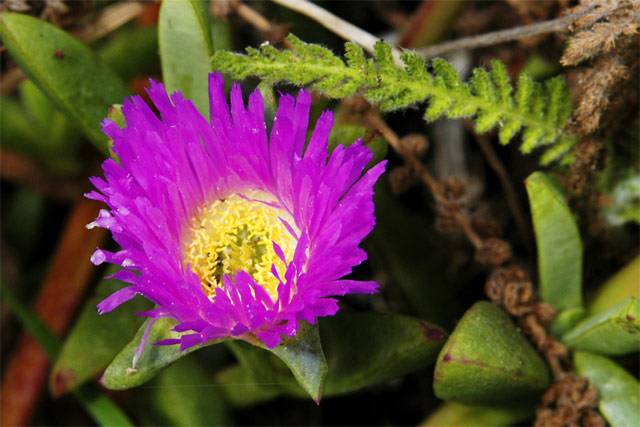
<point x="138" y="363"/>
<point x="302" y="354"/>
<point x="135" y="365"/>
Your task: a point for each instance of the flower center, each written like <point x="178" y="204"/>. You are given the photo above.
<point x="236" y="234"/>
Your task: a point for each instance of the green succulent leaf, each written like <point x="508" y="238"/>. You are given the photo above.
<point x="301" y="354"/>
<point x="618" y="390"/>
<point x="66" y="70"/>
<point x="95" y="340"/>
<point x="184" y="36"/>
<point x="457" y="414"/>
<point x="362" y="349"/>
<point x="487" y="361"/>
<point x="559" y="245"/>
<point x="614" y="332"/>
<point x="621" y="286"/>
<point x="121" y="374"/>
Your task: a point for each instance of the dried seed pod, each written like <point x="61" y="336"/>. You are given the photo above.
<point x="415" y="144"/>
<point x="401" y="179"/>
<point x="494" y="252"/>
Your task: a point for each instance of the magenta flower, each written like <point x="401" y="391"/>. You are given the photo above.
<point x="229" y="233"/>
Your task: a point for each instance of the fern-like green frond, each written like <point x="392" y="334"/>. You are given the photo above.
<point x="540" y="111"/>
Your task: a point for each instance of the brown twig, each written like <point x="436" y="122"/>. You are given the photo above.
<point x="502" y="36"/>
<point x="337" y="25"/>
<point x="253" y="17"/>
<point x="274" y="33"/>
<point x="510" y="288"/>
<point x="111" y="18"/>
<point x="509" y="190"/>
<point x="60" y="294"/>
<point x="611" y="41"/>
<point x="426" y="177"/>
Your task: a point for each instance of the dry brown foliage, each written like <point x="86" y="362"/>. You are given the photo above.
<point x="571" y="401"/>
<point x="606" y="25"/>
<point x="605" y="32"/>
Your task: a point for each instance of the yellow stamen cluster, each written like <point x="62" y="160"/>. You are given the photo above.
<point x="236" y="234"/>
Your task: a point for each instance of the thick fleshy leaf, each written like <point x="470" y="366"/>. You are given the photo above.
<point x="559" y="245"/>
<point x="177" y="397"/>
<point x="618" y="390"/>
<point x="621" y="286"/>
<point x="301" y="354"/>
<point x="184" y="35"/>
<point x="487" y="360"/>
<point x="95" y="340"/>
<point x="304" y="357"/>
<point x="456" y="414"/>
<point x="567" y="319"/>
<point x="613" y="332"/>
<point x="362" y="349"/>
<point x="120" y="374"/>
<point x="66" y="70"/>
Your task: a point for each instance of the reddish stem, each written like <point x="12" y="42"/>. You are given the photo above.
<point x="58" y="299"/>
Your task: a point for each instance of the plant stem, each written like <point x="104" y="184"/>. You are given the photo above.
<point x="426" y="177"/>
<point x="344" y="29"/>
<point x="502" y="36"/>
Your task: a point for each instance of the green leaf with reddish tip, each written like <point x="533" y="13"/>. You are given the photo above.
<point x="66" y="70"/>
<point x="184" y="36"/>
<point x="95" y="339"/>
<point x="362" y="349"/>
<point x="367" y="348"/>
<point x="618" y="390"/>
<point x="614" y="332"/>
<point x="559" y="246"/>
<point x="456" y="414"/>
<point x="487" y="360"/>
<point x="121" y="375"/>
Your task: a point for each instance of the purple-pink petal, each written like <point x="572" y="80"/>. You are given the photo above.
<point x="171" y="166"/>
